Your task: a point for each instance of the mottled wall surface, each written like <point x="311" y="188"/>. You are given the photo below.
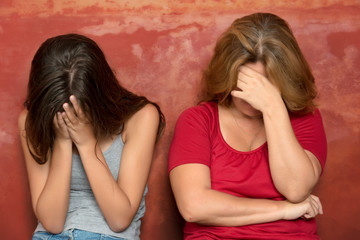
<point x="158" y="49"/>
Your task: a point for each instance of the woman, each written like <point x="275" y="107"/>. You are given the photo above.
<point x="244" y="162"/>
<point x="81" y="133"/>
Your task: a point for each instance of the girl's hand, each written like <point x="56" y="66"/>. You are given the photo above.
<point x="256" y="89"/>
<point x="80" y="129"/>
<point x="307" y="209"/>
<point x="61" y="130"/>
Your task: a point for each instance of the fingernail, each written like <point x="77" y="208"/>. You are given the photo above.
<point x="65" y="105"/>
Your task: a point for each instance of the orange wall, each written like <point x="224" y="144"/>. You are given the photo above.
<point x="159" y="49"/>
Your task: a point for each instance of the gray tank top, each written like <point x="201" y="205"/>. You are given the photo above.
<point x="83" y="212"/>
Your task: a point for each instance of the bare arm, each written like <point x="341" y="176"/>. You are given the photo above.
<point x="50" y="182"/>
<point x="294" y="170"/>
<point x="118" y="200"/>
<point x="199" y="203"/>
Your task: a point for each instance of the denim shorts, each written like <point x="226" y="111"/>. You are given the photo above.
<point x="73" y="234"/>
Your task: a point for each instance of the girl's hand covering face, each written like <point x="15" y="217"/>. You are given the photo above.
<point x="79" y="127"/>
<point x="61" y="130"/>
<point x="255" y="89"/>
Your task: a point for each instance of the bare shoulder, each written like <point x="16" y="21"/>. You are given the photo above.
<point x="145" y="120"/>
<point x="148" y="113"/>
<point x="149" y="110"/>
<point x="22" y="119"/>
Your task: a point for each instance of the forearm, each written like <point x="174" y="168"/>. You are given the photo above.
<point x="112" y="200"/>
<point x="52" y="205"/>
<point x="291" y="169"/>
<point x="212" y="207"/>
<point x="117" y="199"/>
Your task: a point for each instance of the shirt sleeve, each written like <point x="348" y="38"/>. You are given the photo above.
<point x="191" y="141"/>
<point x="310" y="133"/>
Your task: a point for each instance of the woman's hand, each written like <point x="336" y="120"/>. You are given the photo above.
<point x="307" y="209"/>
<point x="61" y="130"/>
<point x="256" y="89"/>
<point x="79" y="127"/>
<point x="50" y="182"/>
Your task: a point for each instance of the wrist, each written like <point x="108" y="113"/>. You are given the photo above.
<point x="284" y="209"/>
<point x="89" y="152"/>
<point x="61" y="153"/>
<point x="288" y="210"/>
<point x="63" y="143"/>
<point x="293" y="211"/>
<point x="89" y="145"/>
<point x="275" y="110"/>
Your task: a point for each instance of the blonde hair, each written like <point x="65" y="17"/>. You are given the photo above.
<point x="267" y="38"/>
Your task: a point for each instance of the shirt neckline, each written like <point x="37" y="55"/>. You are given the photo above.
<point x="218" y="129"/>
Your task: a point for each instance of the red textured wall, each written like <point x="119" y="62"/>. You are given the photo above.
<point x="159" y="49"/>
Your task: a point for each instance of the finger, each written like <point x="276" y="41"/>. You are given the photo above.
<point x="237" y="94"/>
<point x="245" y="88"/>
<point x="315" y="207"/>
<point x="312" y="203"/>
<point x="251" y="81"/>
<point x="310" y="214"/>
<point x="76" y="106"/>
<point x="70" y="114"/>
<point x="250" y="72"/>
<point x="65" y="119"/>
<point x="318" y="203"/>
<point x="241" y="85"/>
<point x="244" y="78"/>
<point x="254" y="75"/>
<point x="321" y="211"/>
<point x="60" y="120"/>
<point x="315" y="210"/>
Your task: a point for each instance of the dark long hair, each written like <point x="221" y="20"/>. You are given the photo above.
<point x="68" y="65"/>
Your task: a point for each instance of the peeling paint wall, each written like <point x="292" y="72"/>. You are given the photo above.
<point x="158" y="49"/>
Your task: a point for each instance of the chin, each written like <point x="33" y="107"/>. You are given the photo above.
<point x="253" y="114"/>
<point x="249" y="110"/>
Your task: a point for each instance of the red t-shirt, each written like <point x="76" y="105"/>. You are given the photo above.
<point x="197" y="139"/>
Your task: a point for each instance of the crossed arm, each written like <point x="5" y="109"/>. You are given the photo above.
<point x="197" y="202"/>
<point x="294" y="170"/>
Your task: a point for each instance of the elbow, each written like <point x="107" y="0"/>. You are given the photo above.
<point x="188" y="214"/>
<point x="191" y="212"/>
<point x="296" y="198"/>
<point x="53" y="225"/>
<point x="296" y="195"/>
<point x="53" y="228"/>
<point x="295" y="191"/>
<point x="120" y="224"/>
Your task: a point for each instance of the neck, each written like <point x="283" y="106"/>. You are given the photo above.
<point x="244" y="131"/>
<point x="238" y="113"/>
